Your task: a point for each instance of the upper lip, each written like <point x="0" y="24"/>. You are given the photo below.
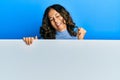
<point x="57" y="24"/>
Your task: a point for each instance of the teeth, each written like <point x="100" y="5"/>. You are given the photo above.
<point x="58" y="24"/>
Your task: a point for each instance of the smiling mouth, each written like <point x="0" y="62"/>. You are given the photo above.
<point x="58" y="24"/>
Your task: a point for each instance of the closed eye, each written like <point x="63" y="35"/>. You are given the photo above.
<point x="57" y="16"/>
<point x="51" y="19"/>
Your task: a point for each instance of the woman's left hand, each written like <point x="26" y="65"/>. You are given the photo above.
<point x="81" y="33"/>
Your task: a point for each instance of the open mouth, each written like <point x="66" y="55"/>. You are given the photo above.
<point x="58" y="24"/>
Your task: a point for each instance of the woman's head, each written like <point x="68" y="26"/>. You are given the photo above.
<point x="56" y="18"/>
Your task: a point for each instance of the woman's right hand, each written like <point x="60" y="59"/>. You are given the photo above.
<point x="29" y="40"/>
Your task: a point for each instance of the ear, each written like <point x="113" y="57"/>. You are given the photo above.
<point x="64" y="21"/>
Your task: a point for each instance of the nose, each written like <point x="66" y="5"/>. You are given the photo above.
<point x="55" y="20"/>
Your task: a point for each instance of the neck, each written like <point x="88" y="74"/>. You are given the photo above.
<point x="63" y="29"/>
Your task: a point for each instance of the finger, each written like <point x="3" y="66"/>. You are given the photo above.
<point x="83" y="30"/>
<point x="79" y="31"/>
<point x="25" y="40"/>
<point x="80" y="36"/>
<point x="29" y="40"/>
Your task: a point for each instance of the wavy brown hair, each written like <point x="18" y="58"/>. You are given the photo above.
<point x="47" y="31"/>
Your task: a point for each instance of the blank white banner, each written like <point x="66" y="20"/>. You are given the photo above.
<point x="60" y="60"/>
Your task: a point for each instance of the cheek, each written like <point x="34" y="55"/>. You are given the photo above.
<point x="63" y="20"/>
<point x="53" y="24"/>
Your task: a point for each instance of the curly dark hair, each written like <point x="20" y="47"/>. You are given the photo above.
<point x="47" y="31"/>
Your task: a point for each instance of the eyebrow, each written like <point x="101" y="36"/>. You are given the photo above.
<point x="55" y="15"/>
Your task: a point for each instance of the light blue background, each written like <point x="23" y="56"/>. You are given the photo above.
<point x="20" y="18"/>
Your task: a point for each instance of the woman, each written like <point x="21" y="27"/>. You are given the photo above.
<point x="57" y="24"/>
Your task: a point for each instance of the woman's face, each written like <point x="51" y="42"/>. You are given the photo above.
<point x="56" y="20"/>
